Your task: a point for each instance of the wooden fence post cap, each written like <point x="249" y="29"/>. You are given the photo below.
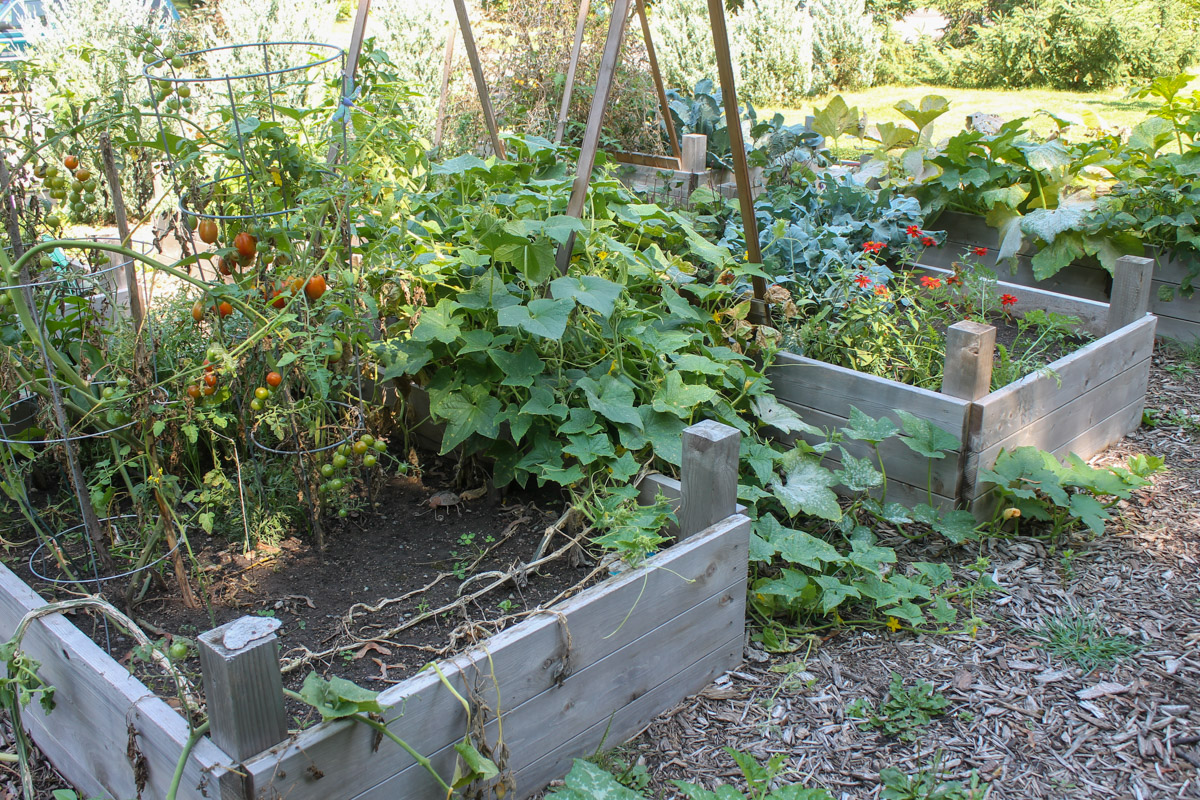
<point x="711" y="430"/>
<point x="233" y="637"/>
<point x="975" y="328"/>
<point x="1136" y="261"/>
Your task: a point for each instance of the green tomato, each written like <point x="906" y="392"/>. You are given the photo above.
<point x="107" y="392"/>
<point x="369" y="461"/>
<point x="184" y="91"/>
<point x="359" y="447"/>
<point x="178" y="651"/>
<point x="76" y="186"/>
<point x="336" y="484"/>
<point x="340" y="461"/>
<point x="53" y="221"/>
<point x="262" y="393"/>
<point x="168" y="52"/>
<point x="89" y="185"/>
<point x="343" y="450"/>
<point x="380" y="446"/>
<point x="342" y="513"/>
<point x="89" y="198"/>
<point x="45" y="262"/>
<point x="177" y="62"/>
<point x="327" y="470"/>
<point x="256" y="404"/>
<point x="122" y="382"/>
<point x="4" y="299"/>
<point x="148" y="58"/>
<point x="367" y="439"/>
<point x="156" y="41"/>
<point x="213" y="354"/>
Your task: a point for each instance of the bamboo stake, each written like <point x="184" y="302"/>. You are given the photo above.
<point x="569" y="86"/>
<point x="485" y="98"/>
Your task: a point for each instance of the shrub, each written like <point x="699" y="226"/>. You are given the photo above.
<point x="413" y="34"/>
<point x="846" y="45"/>
<point x="774" y="42"/>
<point x="920" y="63"/>
<point x="1079" y="44"/>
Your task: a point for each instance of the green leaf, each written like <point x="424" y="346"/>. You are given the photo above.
<point x="925" y="438"/>
<point x="560" y="227"/>
<point x="835" y="119"/>
<point x="1089" y="511"/>
<point x="770" y="411"/>
<point x="442" y="323"/>
<point x="587" y="448"/>
<point x="679" y="398"/>
<point x="459" y="166"/>
<point x="858" y="474"/>
<point x="798" y="547"/>
<point x="478" y="766"/>
<point x="591" y="291"/>
<point x="520" y="368"/>
<point x="932" y="107"/>
<point x="933" y="574"/>
<point x="942" y="612"/>
<point x="611" y="399"/>
<point x="190" y="431"/>
<point x="535" y="260"/>
<point x="542" y="403"/>
<point x="665" y="434"/>
<point x="337" y="697"/>
<point x="957" y="526"/>
<point x="488" y="291"/>
<point x="868" y="429"/>
<point x="545" y="318"/>
<point x="805" y="490"/>
<point x="790" y="585"/>
<point x="833" y="592"/>
<point x="870" y="557"/>
<point x="586" y="781"/>
<point x="158" y="427"/>
<point x="471" y="410"/>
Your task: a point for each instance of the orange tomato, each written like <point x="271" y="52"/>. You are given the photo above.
<point x="71" y="161"/>
<point x="315" y="287"/>
<point x="224" y="309"/>
<point x="246" y="245"/>
<point x="274" y="379"/>
<point x="207" y="230"/>
<point x="198" y="311"/>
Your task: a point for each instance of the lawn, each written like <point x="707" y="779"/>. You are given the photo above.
<point x="1114" y="106"/>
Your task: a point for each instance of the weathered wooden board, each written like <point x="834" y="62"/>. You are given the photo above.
<point x="668" y="584"/>
<point x="98" y="704"/>
<point x="903" y="465"/>
<point x="1019" y="404"/>
<point x="590" y="697"/>
<point x="1090" y="442"/>
<point x="1070" y="422"/>
<point x="807" y="382"/>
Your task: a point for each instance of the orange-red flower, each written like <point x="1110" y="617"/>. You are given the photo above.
<point x="929" y="241"/>
<point x="913" y="230"/>
<point x="1007" y="300"/>
<point x="863" y="280"/>
<point x="873" y="247"/>
<point x="979" y="251"/>
<point x="882" y="291"/>
<point x="931" y="283"/>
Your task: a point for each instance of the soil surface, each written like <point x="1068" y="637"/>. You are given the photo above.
<point x="394" y="590"/>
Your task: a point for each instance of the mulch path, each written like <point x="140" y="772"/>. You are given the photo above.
<point x="1029" y="723"/>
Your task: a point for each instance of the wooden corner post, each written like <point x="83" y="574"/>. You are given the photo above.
<point x="969" y="350"/>
<point x="695" y="153"/>
<point x="1130" y="299"/>
<point x="709" y="476"/>
<point x="243" y="686"/>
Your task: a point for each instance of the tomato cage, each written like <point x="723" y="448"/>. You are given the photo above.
<point x="71" y="387"/>
<point x="247" y="131"/>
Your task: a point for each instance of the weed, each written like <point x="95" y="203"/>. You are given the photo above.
<point x="927" y="784"/>
<point x="905" y="711"/>
<point x="505" y="606"/>
<point x="1082" y="639"/>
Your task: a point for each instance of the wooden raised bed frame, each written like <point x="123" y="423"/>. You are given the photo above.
<point x="1177" y="319"/>
<point x="589" y="672"/>
<point x="1088" y="399"/>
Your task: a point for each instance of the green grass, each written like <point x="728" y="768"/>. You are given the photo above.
<point x="1113" y="106"/>
<point x="1081" y="638"/>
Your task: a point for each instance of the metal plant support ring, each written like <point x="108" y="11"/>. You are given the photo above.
<point x="96" y="578"/>
<point x="354" y="428"/>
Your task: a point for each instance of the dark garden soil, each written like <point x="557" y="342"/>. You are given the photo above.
<point x="393" y="590"/>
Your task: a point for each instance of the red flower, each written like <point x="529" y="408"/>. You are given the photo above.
<point x="882" y="290"/>
<point x="931" y="283"/>
<point x="863" y="280"/>
<point x="979" y="251"/>
<point x="913" y="230"/>
<point x="954" y="280"/>
<point x="873" y="247"/>
<point x="1007" y="300"/>
<point x="929" y="241"/>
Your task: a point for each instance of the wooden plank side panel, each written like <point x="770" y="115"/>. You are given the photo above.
<point x="808" y="382"/>
<point x="1006" y="411"/>
<point x="1176" y="328"/>
<point x="902" y="464"/>
<point x="1091" y="441"/>
<point x="97" y="700"/>
<point x="591" y="696"/>
<point x="528" y="658"/>
<point x="1071" y="422"/>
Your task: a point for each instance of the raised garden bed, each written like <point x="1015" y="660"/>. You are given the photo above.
<point x="590" y="670"/>
<point x="667" y="178"/>
<point x="1080" y="404"/>
<point x="1178" y="318"/>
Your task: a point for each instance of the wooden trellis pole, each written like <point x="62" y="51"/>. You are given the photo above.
<point x="580" y="25"/>
<point x="485" y="98"/>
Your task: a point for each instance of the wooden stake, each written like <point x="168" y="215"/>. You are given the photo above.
<point x="969" y="350"/>
<point x="709" y="476"/>
<point x="741" y="170"/>
<point x="485" y="98"/>
<point x="663" y="107"/>
<point x="447" y="65"/>
<point x="695" y="153"/>
<point x="591" y="134"/>
<point x="569" y="86"/>
<point x="243" y="686"/>
<point x="118" y="199"/>
<point x="1130" y="298"/>
<point x="352" y="57"/>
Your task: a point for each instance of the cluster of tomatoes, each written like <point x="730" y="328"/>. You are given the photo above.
<point x="146" y="45"/>
<point x="73" y="184"/>
<point x="112" y="398"/>
<point x="263" y="393"/>
<point x="366" y="448"/>
<point x="208" y="383"/>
